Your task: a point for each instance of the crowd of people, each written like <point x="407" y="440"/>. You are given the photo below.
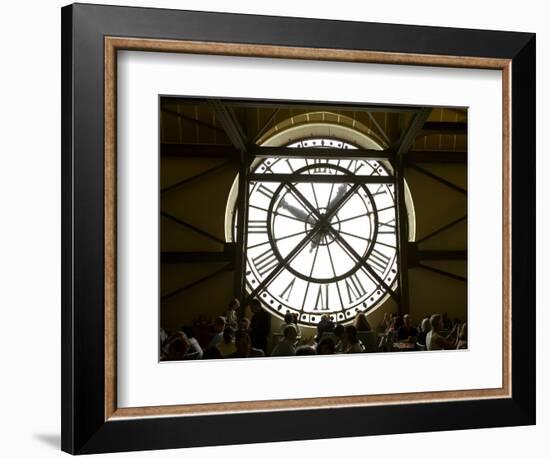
<point x="232" y="336"/>
<point x="435" y="332"/>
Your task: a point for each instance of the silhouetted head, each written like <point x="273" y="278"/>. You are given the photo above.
<point x="350" y="334"/>
<point x="339" y="331"/>
<point x="234" y="304"/>
<point x="436" y="322"/>
<point x="289" y="318"/>
<point x="243" y="343"/>
<point x="290" y="333"/>
<point x="326" y="347"/>
<point x="255" y="305"/>
<point x="219" y="324"/>
<point x="243" y="324"/>
<point x="228" y="334"/>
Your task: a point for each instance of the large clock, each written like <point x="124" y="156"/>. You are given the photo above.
<point x="321" y="235"/>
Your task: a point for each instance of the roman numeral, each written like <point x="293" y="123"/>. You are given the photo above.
<point x="322" y="298"/>
<point x="265" y="261"/>
<point x="289" y="165"/>
<point x="267" y="166"/>
<point x="262" y="189"/>
<point x="378" y="261"/>
<point x="318" y="167"/>
<point x="355" y="288"/>
<point x="356" y="165"/>
<point x="257" y="226"/>
<point x="378" y="191"/>
<point x="389" y="227"/>
<point x="288" y="290"/>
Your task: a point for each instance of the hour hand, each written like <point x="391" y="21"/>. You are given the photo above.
<point x="295" y="211"/>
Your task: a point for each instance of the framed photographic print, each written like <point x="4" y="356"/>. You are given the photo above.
<point x="282" y="228"/>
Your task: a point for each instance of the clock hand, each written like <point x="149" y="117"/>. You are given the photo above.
<point x="339" y="194"/>
<point x="315" y="241"/>
<point x="300" y="214"/>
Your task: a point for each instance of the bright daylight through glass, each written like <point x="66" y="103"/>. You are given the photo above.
<point x="321" y="247"/>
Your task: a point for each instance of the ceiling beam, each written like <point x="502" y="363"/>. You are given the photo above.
<point x="187" y="225"/>
<point x="439" y="179"/>
<point x="188" y="150"/>
<point x="443" y="272"/>
<point x="381" y="131"/>
<point x="266" y="126"/>
<point x="307" y="178"/>
<point x="441" y="229"/>
<point x="322" y="153"/>
<point x="443" y="128"/>
<point x="415" y="127"/>
<point x="441" y="255"/>
<point x="177" y="257"/>
<point x="437" y="157"/>
<point x="183" y="150"/>
<point x="226" y="117"/>
<point x="417" y="255"/>
<point x="225" y="268"/>
<point x="316" y="106"/>
<point x="193" y="120"/>
<point x="197" y="176"/>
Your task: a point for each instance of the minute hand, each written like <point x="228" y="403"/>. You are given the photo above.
<point x="329" y="213"/>
<point x="336" y="199"/>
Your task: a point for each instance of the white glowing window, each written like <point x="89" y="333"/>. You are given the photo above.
<point x="321" y="233"/>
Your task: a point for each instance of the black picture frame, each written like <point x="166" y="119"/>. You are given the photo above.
<point x="84" y="428"/>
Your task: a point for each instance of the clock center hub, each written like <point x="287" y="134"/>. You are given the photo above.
<point x="325" y="234"/>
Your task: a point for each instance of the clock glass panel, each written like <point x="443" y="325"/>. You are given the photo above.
<point x="319" y="241"/>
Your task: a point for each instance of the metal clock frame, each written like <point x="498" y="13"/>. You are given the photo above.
<point x="393" y="154"/>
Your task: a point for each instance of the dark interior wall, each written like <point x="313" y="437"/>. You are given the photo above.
<point x="436" y="205"/>
<point x="201" y="203"/>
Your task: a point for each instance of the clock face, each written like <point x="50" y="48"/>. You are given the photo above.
<point x="324" y="245"/>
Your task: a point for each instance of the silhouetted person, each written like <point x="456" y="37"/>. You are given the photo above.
<point x="406" y="331"/>
<point x="305" y="350"/>
<point x="178" y="346"/>
<point x="339" y="331"/>
<point x="435" y="339"/>
<point x="260" y="325"/>
<point x="195" y="347"/>
<point x="462" y="338"/>
<point x="352" y="344"/>
<point x="361" y="323"/>
<point x="231" y="314"/>
<point x="243" y="324"/>
<point x="447" y="323"/>
<point x="326" y="324"/>
<point x="424" y="329"/>
<point x="289" y="319"/>
<point x="211" y="353"/>
<point x="219" y="326"/>
<point x="244" y="347"/>
<point x="326" y="347"/>
<point x="227" y="345"/>
<point x="287" y="346"/>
